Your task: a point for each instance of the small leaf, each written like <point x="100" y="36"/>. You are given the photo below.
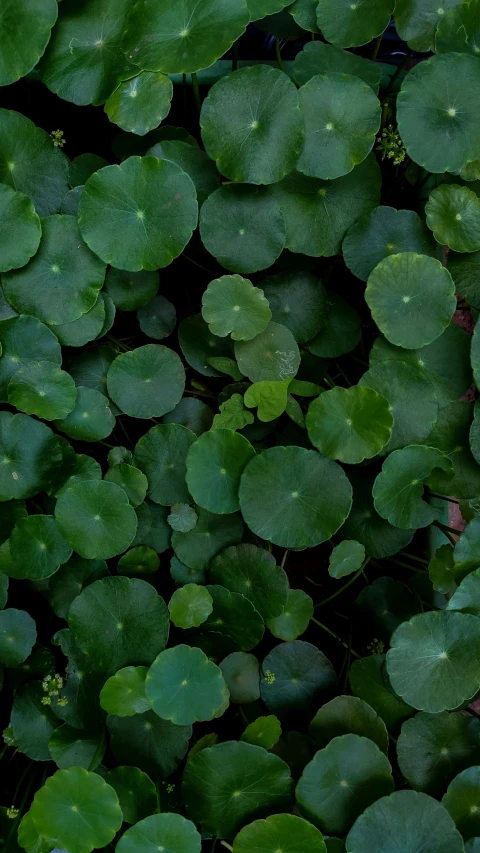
<point x="232" y="305"/>
<point x="190" y="606"/>
<point x="264" y="731"/>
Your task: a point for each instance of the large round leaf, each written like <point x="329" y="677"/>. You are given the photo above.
<point x="438" y="112"/>
<point x="24" y="339"/>
<point x="167" y="831"/>
<point x="146" y="741"/>
<point x="319" y="213"/>
<point x="211" y="534"/>
<point x="91" y="419"/>
<point x="285" y="832"/>
<point x="76" y="810"/>
<point x="83" y="62"/>
<point x="140" y="104"/>
<point x="453" y="214"/>
<point x="215" y="463"/>
<point x="348" y="715"/>
<point x="171" y="38"/>
<point x="349" y="24"/>
<point x="252" y="126"/>
<point x="342" y="117"/>
<point x="298" y="301"/>
<point x="30" y="163"/>
<point x="319" y="58"/>
<point x="381" y="233"/>
<point x="62" y="281"/>
<point x="462" y="801"/>
<point x="43" y="389"/>
<point x="243" y="227"/>
<point x="295" y="678"/>
<point x="146" y="382"/>
<point x="139" y="215"/>
<point x="184" y="686"/>
<point x="96" y="518"/>
<point x="281" y="501"/>
<point x="272" y="355"/>
<point x="412" y="299"/>
<point x="17" y="636"/>
<point x="459" y="29"/>
<point x="37" y="548"/>
<point x="413" y="821"/>
<point x="232" y="305"/>
<point x="350" y="424"/>
<point x="294" y="618"/>
<point x="230" y="784"/>
<point x="343" y="779"/>
<point x="398" y="489"/>
<point x="161" y="454"/>
<point x="193" y="161"/>
<point x="20" y="229"/>
<point x="25" y="31"/>
<point x="252" y="572"/>
<point x="31" y="456"/>
<point x="434" y="662"/>
<point x="119" y="622"/>
<point x="417" y="22"/>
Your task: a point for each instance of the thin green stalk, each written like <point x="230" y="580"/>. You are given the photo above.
<point x="345" y="585"/>
<point x="106" y="444"/>
<point x="446" y="529"/>
<point x="284" y="559"/>
<point x="98" y="751"/>
<point x="406" y="566"/>
<point x="243" y="715"/>
<point x="413" y="557"/>
<point x="118" y="343"/>
<point x="329" y="382"/>
<point x="376" y="47"/>
<point x="228" y="846"/>
<point x="196" y="92"/>
<point x="199" y="394"/>
<point x="278" y="55"/>
<point x="119" y="421"/>
<point x="342" y="374"/>
<point x="195" y="263"/>
<point x="312" y="36"/>
<point x="335" y="636"/>
<point x="397" y="72"/>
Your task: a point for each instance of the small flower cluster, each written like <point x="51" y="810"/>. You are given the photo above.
<point x="58" y="138"/>
<point x="269" y="676"/>
<point x="52" y="686"/>
<point x="12" y="812"/>
<point x="391" y="146"/>
<point x="376" y="647"/>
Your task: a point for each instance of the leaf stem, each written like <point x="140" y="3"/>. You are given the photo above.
<point x="279" y="55"/>
<point x="376" y="48"/>
<point x="195" y="263"/>
<point x="196" y="92"/>
<point x="406" y="566"/>
<point x="118" y="343"/>
<point x="413" y="557"/>
<point x="284" y="559"/>
<point x="345" y="585"/>
<point x="342" y="374"/>
<point x="335" y="636"/>
<point x="397" y="72"/>
<point x="228" y="846"/>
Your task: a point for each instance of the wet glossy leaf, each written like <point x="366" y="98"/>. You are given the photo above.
<point x="124" y="693"/>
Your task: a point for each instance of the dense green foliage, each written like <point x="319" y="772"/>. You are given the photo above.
<point x="233" y="373"/>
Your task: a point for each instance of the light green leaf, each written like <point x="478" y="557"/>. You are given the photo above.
<point x="232" y="305"/>
<point x="190" y="605"/>
<point x="346" y="558"/>
<point x="270" y="396"/>
<point x="169" y="831"/>
<point x="264" y="731"/>
<point x="215" y="463"/>
<point x="352" y="24"/>
<point x="295" y="617"/>
<point x="141" y="103"/>
<point x="453" y="214"/>
<point x="232" y="415"/>
<point x="124" y="693"/>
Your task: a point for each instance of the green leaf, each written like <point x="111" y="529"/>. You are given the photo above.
<point x="43" y="389"/>
<point x="318" y="213"/>
<point x="458" y="29"/>
<point x="154" y="745"/>
<point x="94" y="815"/>
<point x="295" y="678"/>
<point x="37" y="547"/>
<point x="385" y="604"/>
<point x="211" y="534"/>
<point x="20" y="229"/>
<point x="139" y="104"/>
<point x="87" y="328"/>
<point x="192" y="160"/>
<point x="140" y="560"/>
<point x="352" y="24"/>
<point x="417" y="22"/>
<point x="161" y="454"/>
<point x="472" y="845"/>
<point x="182" y="517"/>
<point x="214" y="775"/>
<point x="242" y="677"/>
<point x="294" y="618"/>
<point x="139" y="215"/>
<point x="215" y="463"/>
<point x="190" y="605"/>
<point x="348" y="715"/>
<point x="62" y="281"/>
<point x="466" y="557"/>
<point x="363" y="769"/>
<point x="235" y="617"/>
<point x="69" y="581"/>
<point x="453" y="214"/>
<point x="32" y="721"/>
<point x="341" y="331"/>
<point x="438" y="112"/>
<point x="29" y="161"/>
<point x="159" y="318"/>
<point x="198" y="345"/>
<point x="349" y="424"/>
<point x="260" y="8"/>
<point x="91" y="419"/>
<point x="383" y="232"/>
<point x="75" y="748"/>
<point x="146" y="382"/>
<point x="297" y="301"/>
<point x="17" y="636"/>
<point x="280" y="500"/>
<point x="96" y="518"/>
<point x="462" y="801"/>
<point x="184" y="686"/>
<point x="451" y="435"/>
<point x="31" y="456"/>
<point x="467" y="597"/>
<point x="252" y="126"/>
<point x="368" y="680"/>
<point x="26" y="29"/>
<point x="119" y="622"/>
<point x="433" y="748"/>
<point x="272" y="355"/>
<point x="264" y="731"/>
<point x="242" y="226"/>
<point x="342" y="118"/>
<point x="320" y="58"/>
<point x="271" y="397"/>
<point x="252" y="572"/>
<point x="432" y="660"/>
<point x="169" y="831"/>
<point x="287" y="832"/>
<point x="232" y="415"/>
<point x="413" y="820"/>
<point x="131" y="480"/>
<point x="131" y="291"/>
<point x="82" y="167"/>
<point x="24" y="339"/>
<point x="398" y="489"/>
<point x="441" y="569"/>
<point x="124" y="693"/>
<point x="346" y="558"/>
<point x="304" y="14"/>
<point x="231" y="305"/>
<point x="401" y="291"/>
<point x="167" y="37"/>
<point x="136" y="792"/>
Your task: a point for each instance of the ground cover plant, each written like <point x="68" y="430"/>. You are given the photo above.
<point x="239" y="442"/>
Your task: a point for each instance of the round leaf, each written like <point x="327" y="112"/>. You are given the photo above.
<point x="26" y="29"/>
<point x="453" y="214"/>
<point x="272" y="355"/>
<point x="347" y="557"/>
<point x="467" y="597"/>
<point x="349" y="24"/>
<point x="20" y="229"/>
<point x="168" y="831"/>
<point x="297" y="301"/>
<point x="369" y="682"/>
<point x="348" y="715"/>
<point x="158" y="319"/>
<point x="17" y="636"/>
<point x="41" y="388"/>
<point x="287" y="832"/>
<point x="24" y="339"/>
<point x="69" y="581"/>
<point x="31" y="456"/>
<point x="462" y="801"/>
<point x="295" y="678"/>
<point x="37" y="547"/>
<point x="184" y="686"/>
<point x="140" y="104"/>
<point x="131" y="480"/>
<point x="71" y="747"/>
<point x="136" y="792"/>
<point x="458" y="29"/>
<point x="294" y="618"/>
<point x="91" y="419"/>
<point x="211" y="534"/>
<point x="252" y="572"/>
<point x="140" y="560"/>
<point x="198" y="346"/>
<point x="139" y="215"/>
<point x="231" y="305"/>
<point x="341" y="332"/>
<point x="96" y="519"/>
<point x="146" y="382"/>
<point x="318" y="58"/>
<point x="417" y="22"/>
<point x="281" y="502"/>
<point x="190" y="605"/>
<point x="131" y="291"/>
<point x="235" y="617"/>
<point x="182" y="518"/>
<point x="432" y="660"/>
<point x="161" y="454"/>
<point x="215" y="463"/>
<point x="124" y="693"/>
<point x="154" y="745"/>
<point x="251" y="125"/>
<point x="242" y="677"/>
